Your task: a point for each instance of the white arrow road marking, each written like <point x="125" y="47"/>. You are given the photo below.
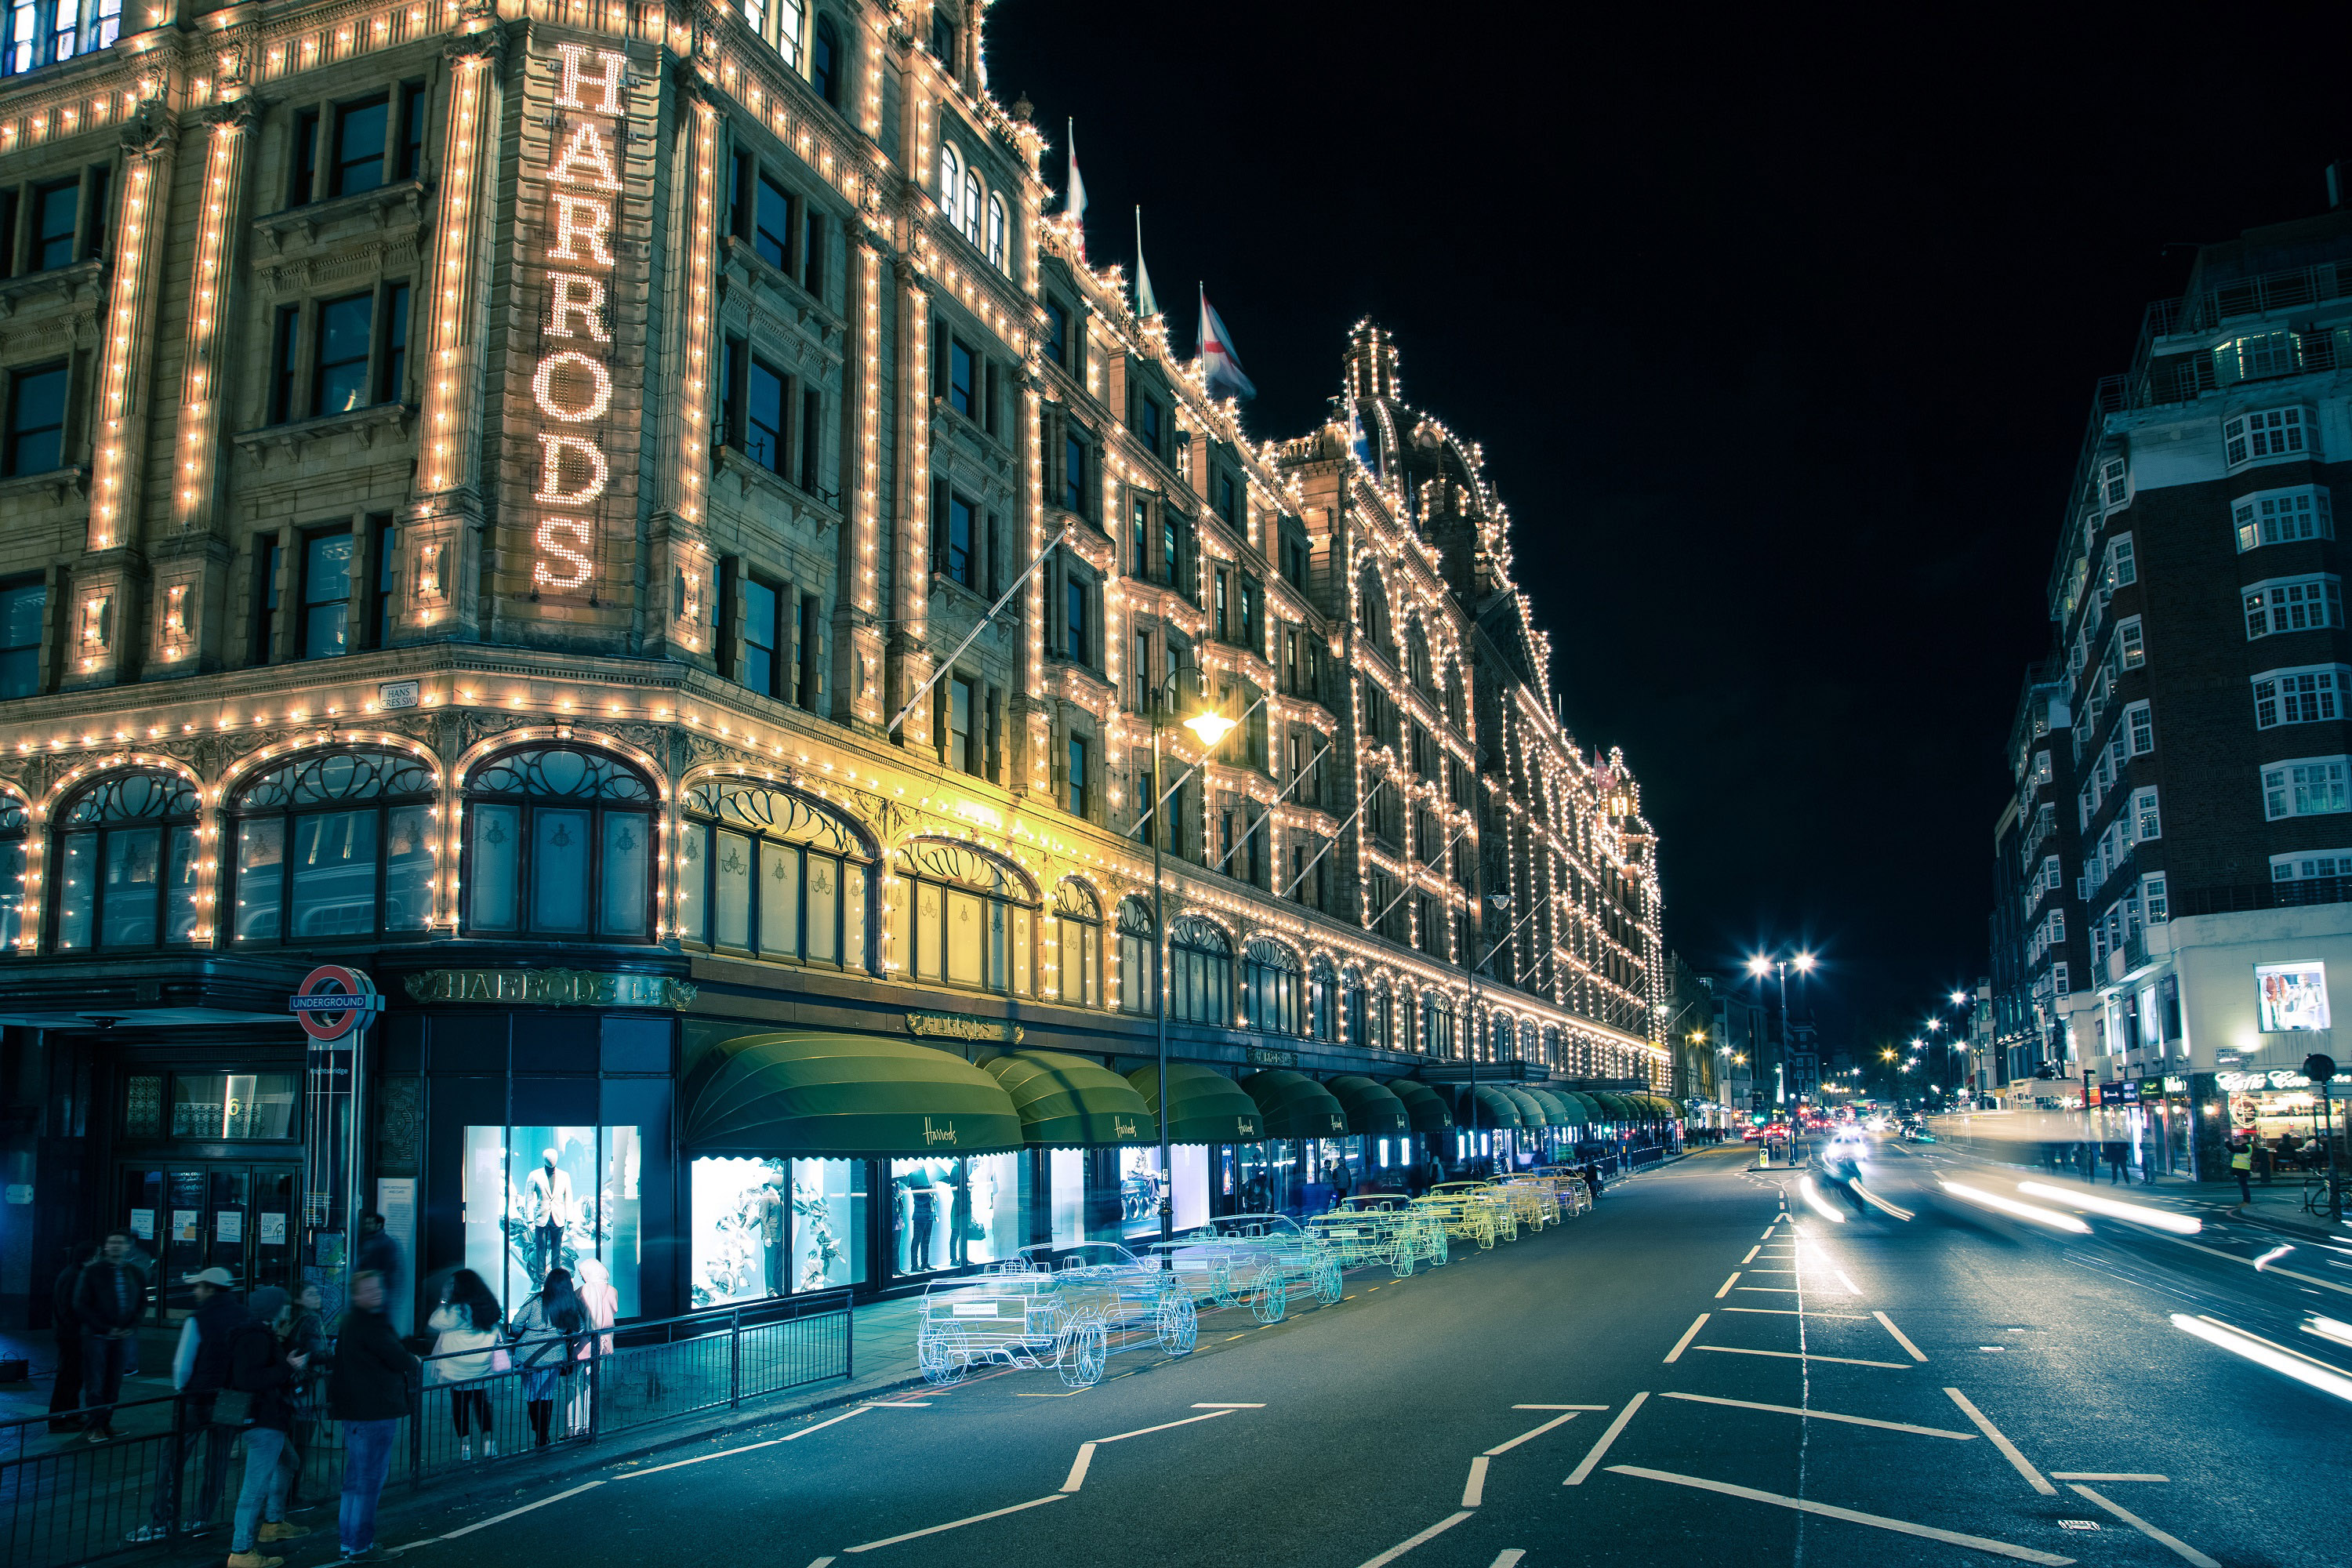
<point x="2128" y="1517"/>
<point x="960" y="1523"/>
<point x="1407" y="1545"/>
<point x="1576" y="1477"/>
<point x="1852" y="1516"/>
<point x="2007" y="1449"/>
<point x="1826" y="1416"/>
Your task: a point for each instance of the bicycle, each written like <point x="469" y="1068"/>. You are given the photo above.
<point x="2318" y="1199"/>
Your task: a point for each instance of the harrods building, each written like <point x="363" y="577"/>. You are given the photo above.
<point x="509" y="498"/>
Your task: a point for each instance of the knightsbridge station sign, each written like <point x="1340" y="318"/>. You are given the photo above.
<point x="571" y="368"/>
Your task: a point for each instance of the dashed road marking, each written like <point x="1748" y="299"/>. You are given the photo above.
<point x="960" y="1523"/>
<point x="1751" y="1256"/>
<point x="1474" y="1490"/>
<point x="1900" y="1337"/>
<point x="2178" y="1545"/>
<point x="1826" y="1416"/>
<point x="1794" y="1312"/>
<point x="2105" y="1475"/>
<point x="1689" y="1334"/>
<point x="1728" y="1284"/>
<point x="2007" y="1449"/>
<point x="1585" y="1467"/>
<point x="1536" y="1432"/>
<point x="1407" y="1545"/>
<point x="1852" y="1516"/>
<point x="1801" y="1355"/>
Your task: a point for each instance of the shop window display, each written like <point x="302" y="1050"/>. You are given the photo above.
<point x="950" y="1213"/>
<point x="1139" y="1188"/>
<point x="767" y="1228"/>
<point x="541" y="1197"/>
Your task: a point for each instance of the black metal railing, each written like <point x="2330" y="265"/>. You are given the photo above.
<point x="2245" y="897"/>
<point x="65" y="1500"/>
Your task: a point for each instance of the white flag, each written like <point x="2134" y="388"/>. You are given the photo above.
<point x="1074" y="193"/>
<point x="1146" y="302"/>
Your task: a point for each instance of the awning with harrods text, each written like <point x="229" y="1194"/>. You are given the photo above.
<point x="1295" y="1106"/>
<point x="1371" y="1109"/>
<point x="1485" y="1106"/>
<point x="1427" y="1108"/>
<point x="1562" y="1110"/>
<point x="1204" y="1106"/>
<point x="1068" y="1101"/>
<point x="841" y="1096"/>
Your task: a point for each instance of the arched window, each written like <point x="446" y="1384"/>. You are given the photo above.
<point x="825" y="60"/>
<point x="1077" y="920"/>
<point x="1200" y="972"/>
<point x="14" y="830"/>
<point x="963" y="919"/>
<point x="559" y="842"/>
<point x="1323" y="1000"/>
<point x="971" y="205"/>
<point x="333" y="844"/>
<point x="950" y="178"/>
<point x="996" y="232"/>
<point x="1381" y="1011"/>
<point x="766" y="871"/>
<point x="1455" y="704"/>
<point x="126" y="863"/>
<point x="1373" y="606"/>
<point x="1551" y="1056"/>
<point x="1352" y="985"/>
<point x="1416" y="657"/>
<point x="1137" y="956"/>
<point x="1437" y="1023"/>
<point x="1271" y="988"/>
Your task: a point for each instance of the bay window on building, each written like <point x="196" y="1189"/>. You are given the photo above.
<point x="2280" y="517"/>
<point x="2292" y="605"/>
<point x="125" y="868"/>
<point x="339" y="844"/>
<point x="961" y="917"/>
<point x="769" y="873"/>
<point x="2298" y="696"/>
<point x="559" y="842"/>
<point x="2306" y="786"/>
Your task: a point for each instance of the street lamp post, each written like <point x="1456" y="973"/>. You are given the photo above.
<point x="1209" y="727"/>
<point x="1760" y="966"/>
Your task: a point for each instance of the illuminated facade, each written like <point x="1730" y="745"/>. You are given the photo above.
<point x="512" y="497"/>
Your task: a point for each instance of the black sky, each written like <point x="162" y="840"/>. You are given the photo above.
<point x="1779" y="333"/>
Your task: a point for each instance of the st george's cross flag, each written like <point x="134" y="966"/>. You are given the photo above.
<point x="1223" y="367"/>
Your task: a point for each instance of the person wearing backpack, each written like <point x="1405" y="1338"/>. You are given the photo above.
<point x="262" y="1379"/>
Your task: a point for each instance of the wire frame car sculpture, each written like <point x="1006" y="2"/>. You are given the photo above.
<point x="1471" y="1211"/>
<point x="1567" y="1188"/>
<point x="1102" y="1300"/>
<point x="1384" y="1227"/>
<point x="1255" y="1259"/>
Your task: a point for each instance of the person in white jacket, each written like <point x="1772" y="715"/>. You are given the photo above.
<point x="467" y="1349"/>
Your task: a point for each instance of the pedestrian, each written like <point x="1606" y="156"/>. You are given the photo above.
<point x="467" y="1349"/>
<point x="2242" y="1161"/>
<point x="379" y="1253"/>
<point x="108" y="1301"/>
<point x="371" y="1387"/>
<point x="65" y="1332"/>
<point x="261" y="1378"/>
<point x="2118" y="1157"/>
<point x="306" y="1334"/>
<point x="2262" y="1153"/>
<point x="201" y="1365"/>
<point x="599" y="1304"/>
<point x="547" y="1344"/>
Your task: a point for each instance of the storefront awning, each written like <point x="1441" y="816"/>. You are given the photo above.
<point x="1295" y="1106"/>
<point x="1532" y="1113"/>
<point x="1430" y="1113"/>
<point x="843" y="1097"/>
<point x="1068" y="1101"/>
<point x="1581" y="1102"/>
<point x="1485" y="1106"/>
<point x="1371" y="1108"/>
<point x="1559" y="1111"/>
<point x="1204" y="1106"/>
<point x="1612" y="1108"/>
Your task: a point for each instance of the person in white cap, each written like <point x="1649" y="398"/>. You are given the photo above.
<point x="200" y="1370"/>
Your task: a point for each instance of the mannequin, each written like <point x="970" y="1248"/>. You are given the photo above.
<point x="547" y="1210"/>
<point x="769" y="1209"/>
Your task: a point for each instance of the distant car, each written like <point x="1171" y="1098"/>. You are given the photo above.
<point x="1751" y="1135"/>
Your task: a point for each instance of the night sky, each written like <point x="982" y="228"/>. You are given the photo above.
<point x="1780" y="339"/>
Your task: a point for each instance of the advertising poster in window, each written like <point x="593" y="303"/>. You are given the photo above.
<point x="2294" y="997"/>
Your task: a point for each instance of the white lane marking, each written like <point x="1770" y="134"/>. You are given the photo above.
<point x="1772" y="1271"/>
<point x="1509" y="1557"/>
<point x="1225" y="1405"/>
<point x="2128" y="1517"/>
<point x="1852" y="1288"/>
<point x="1576" y="1477"/>
<point x="1827" y="1510"/>
<point x="1537" y="1432"/>
<point x="1474" y="1490"/>
<point x="1900" y="1337"/>
<point x="900" y="1404"/>
<point x="1751" y="1256"/>
<point x="706" y="1458"/>
<point x="1794" y="1312"/>
<point x="1827" y="1415"/>
<point x="820" y="1562"/>
<point x="960" y="1523"/>
<point x="1078" y="1476"/>
<point x="1728" y="1284"/>
<point x="2105" y="1475"/>
<point x="1767" y="1230"/>
<point x="1164" y="1425"/>
<point x="503" y="1517"/>
<point x="1689" y="1334"/>
<point x="1801" y="1355"/>
<point x="1560" y="1407"/>
<point x="1409" y="1542"/>
<point x="1773" y="1290"/>
<point x="2007" y="1449"/>
<point x="2281" y="1273"/>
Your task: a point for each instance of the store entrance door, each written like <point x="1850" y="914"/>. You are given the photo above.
<point x="195" y="1216"/>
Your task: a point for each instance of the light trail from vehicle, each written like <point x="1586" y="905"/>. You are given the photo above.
<point x="2032" y="1212"/>
<point x="2115" y="1208"/>
<point x="2304" y="1368"/>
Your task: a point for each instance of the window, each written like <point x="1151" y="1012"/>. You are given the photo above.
<point x="1073" y="476"/>
<point x="959" y="541"/>
<point x="37" y="422"/>
<point x="1135" y="956"/>
<point x="15" y="833"/>
<point x="971" y="205"/>
<point x="2304" y="787"/>
<point x="1201" y="973"/>
<point x="962" y="736"/>
<point x="2306" y="865"/>
<point x="2139" y="722"/>
<point x="763" y="638"/>
<point x="408" y="162"/>
<point x="54" y="207"/>
<point x="963" y="395"/>
<point x="266" y="561"/>
<point x="43" y="32"/>
<point x="2297" y="697"/>
<point x="2255" y="438"/>
<point x="1227" y="505"/>
<point x="996" y="232"/>
<point x="127" y="857"/>
<point x="944" y="38"/>
<point x="2131" y="652"/>
<point x="1168" y="542"/>
<point x="2154" y="900"/>
<point x="961" y="918"/>
<point x="950" y="178"/>
<point x="2122" y="568"/>
<point x="1273" y="989"/>
<point x="1078" y="937"/>
<point x="1078" y="630"/>
<point x="824" y="54"/>
<point x="339" y="845"/>
<point x="769" y="872"/>
<point x="361" y="135"/>
<point x="2292" y="604"/>
<point x="359" y="354"/>
<point x="23" y="607"/>
<point x="384" y="564"/>
<point x="2281" y="517"/>
<point x="2113" y="486"/>
<point x="302" y="181"/>
<point x="765" y="435"/>
<point x="284" y="363"/>
<point x="392" y="363"/>
<point x="558" y="843"/>
<point x="326" y="593"/>
<point x="1077" y="777"/>
<point x="2147" y="822"/>
<point x="1057" y="333"/>
<point x="339" y="379"/>
<point x="771" y="222"/>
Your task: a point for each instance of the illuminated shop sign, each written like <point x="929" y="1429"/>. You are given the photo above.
<point x="572" y="370"/>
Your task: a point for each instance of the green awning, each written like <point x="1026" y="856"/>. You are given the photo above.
<point x="1613" y="1108"/>
<point x="1068" y="1101"/>
<point x="824" y="1096"/>
<point x="1295" y="1106"/>
<point x="1203" y="1106"/>
<point x="1559" y="1110"/>
<point x="1371" y="1108"/>
<point x="1485" y="1106"/>
<point x="1532" y="1113"/>
<point x="1591" y="1107"/>
<point x="1427" y="1108"/>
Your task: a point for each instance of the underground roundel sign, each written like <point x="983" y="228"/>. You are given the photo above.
<point x="332" y="1001"/>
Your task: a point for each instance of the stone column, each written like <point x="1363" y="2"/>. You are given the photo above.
<point x="909" y="662"/>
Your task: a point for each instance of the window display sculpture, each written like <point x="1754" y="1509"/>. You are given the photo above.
<point x="1389" y="1229"/>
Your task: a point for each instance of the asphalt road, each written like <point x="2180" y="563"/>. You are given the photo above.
<point x="1712" y="1382"/>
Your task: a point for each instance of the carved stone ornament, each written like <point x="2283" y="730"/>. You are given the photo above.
<point x="551" y="988"/>
<point x="151" y="130"/>
<point x="962" y="1026"/>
